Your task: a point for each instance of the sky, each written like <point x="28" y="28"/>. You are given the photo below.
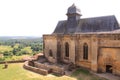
<point x="38" y="17"/>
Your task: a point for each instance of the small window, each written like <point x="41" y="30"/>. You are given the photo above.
<point x="66" y="49"/>
<point x="85" y="51"/>
<point x="50" y="53"/>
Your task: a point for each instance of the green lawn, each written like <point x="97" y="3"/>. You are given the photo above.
<point x="82" y="74"/>
<point x="16" y="71"/>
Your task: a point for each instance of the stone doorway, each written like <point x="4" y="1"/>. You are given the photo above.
<point x="108" y="68"/>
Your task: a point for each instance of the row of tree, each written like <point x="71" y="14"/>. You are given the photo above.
<point x="22" y="46"/>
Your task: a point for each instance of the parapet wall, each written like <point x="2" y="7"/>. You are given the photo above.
<point x="18" y="61"/>
<point x="35" y="69"/>
<point x="50" y="68"/>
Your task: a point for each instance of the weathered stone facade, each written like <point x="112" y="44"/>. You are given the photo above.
<point x="97" y="51"/>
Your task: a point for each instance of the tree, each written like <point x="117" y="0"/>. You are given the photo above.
<point x="15" y="50"/>
<point x="7" y="53"/>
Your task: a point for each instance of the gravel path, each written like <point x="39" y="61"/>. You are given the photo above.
<point x="108" y="76"/>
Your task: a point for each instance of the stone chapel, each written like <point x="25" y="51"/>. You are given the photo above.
<point x="92" y="43"/>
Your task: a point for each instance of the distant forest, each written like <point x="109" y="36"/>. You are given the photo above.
<point x="18" y="46"/>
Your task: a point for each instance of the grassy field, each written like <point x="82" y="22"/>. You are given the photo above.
<point x="16" y="72"/>
<point x="82" y="74"/>
<point x="4" y="48"/>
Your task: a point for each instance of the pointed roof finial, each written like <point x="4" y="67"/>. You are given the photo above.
<point x="74" y="9"/>
<point x="73" y="4"/>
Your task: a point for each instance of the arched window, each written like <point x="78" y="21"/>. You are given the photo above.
<point x="85" y="51"/>
<point x="58" y="51"/>
<point x="66" y="49"/>
<point x="50" y="53"/>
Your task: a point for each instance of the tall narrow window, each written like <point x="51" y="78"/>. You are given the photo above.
<point x="58" y="52"/>
<point x="50" y="53"/>
<point x="66" y="49"/>
<point x="85" y="51"/>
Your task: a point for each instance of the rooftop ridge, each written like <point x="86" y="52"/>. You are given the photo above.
<point x="99" y="17"/>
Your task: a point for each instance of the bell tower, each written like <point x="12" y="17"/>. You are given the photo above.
<point x="74" y="12"/>
<point x="73" y="16"/>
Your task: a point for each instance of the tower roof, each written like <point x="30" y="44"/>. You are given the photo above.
<point x="73" y="10"/>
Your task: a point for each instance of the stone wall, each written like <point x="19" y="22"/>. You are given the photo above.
<point x="17" y="61"/>
<point x="83" y="39"/>
<point x="95" y="43"/>
<point x="35" y="69"/>
<point x="117" y="68"/>
<point x="109" y="56"/>
<point x="70" y="40"/>
<point x="85" y="64"/>
<point x="50" y="43"/>
<point x="109" y="49"/>
<point x="50" y="68"/>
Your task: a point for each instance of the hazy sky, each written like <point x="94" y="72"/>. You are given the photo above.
<point x="38" y="17"/>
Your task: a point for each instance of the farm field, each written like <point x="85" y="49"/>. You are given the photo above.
<point x="16" y="71"/>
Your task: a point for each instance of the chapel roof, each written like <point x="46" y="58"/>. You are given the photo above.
<point x="95" y="24"/>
